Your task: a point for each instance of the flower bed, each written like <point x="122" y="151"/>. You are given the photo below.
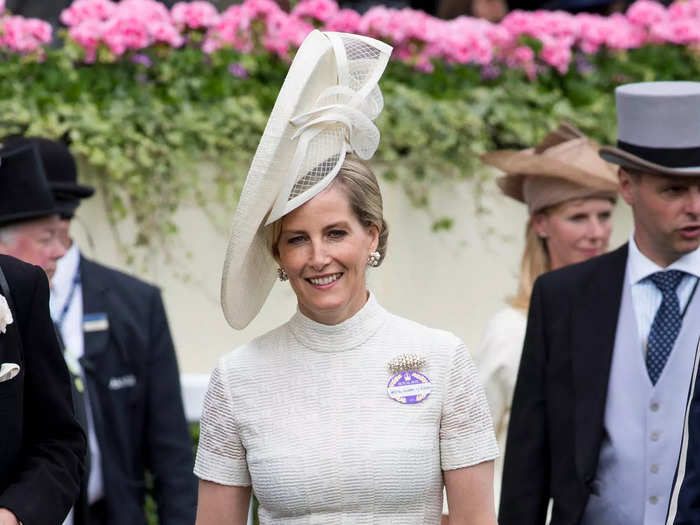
<point x="146" y="95"/>
<point x="419" y="39"/>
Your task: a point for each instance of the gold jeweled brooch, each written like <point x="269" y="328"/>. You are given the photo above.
<point x="408" y="386"/>
<point x="404" y="362"/>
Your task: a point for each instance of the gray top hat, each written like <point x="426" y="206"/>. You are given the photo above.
<point x="658" y="128"/>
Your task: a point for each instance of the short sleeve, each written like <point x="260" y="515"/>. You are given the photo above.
<point x="466" y="430"/>
<point x="221" y="457"/>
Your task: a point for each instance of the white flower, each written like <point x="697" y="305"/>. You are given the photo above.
<point x="5" y="314"/>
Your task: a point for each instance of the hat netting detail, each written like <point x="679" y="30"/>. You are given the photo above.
<point x="340" y="121"/>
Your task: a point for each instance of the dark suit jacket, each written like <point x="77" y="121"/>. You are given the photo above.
<point x="41" y="444"/>
<point x="556" y="423"/>
<point x="134" y="391"/>
<point x="688" y="482"/>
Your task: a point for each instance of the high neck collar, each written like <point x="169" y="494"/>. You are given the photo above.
<point x="342" y="336"/>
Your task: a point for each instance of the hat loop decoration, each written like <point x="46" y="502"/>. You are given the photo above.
<point x="324" y="110"/>
<point x="340" y="121"/>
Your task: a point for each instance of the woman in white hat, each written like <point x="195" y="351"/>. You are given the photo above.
<point x="346" y="413"/>
<point x="570" y="193"/>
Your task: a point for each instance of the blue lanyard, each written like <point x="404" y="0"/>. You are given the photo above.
<point x="69" y="299"/>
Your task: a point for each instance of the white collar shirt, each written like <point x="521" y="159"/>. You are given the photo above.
<point x="66" y="304"/>
<point x="646" y="297"/>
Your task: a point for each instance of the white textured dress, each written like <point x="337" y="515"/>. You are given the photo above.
<point x="499" y="359"/>
<point x="303" y="415"/>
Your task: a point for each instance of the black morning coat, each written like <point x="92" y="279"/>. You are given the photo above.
<point x="134" y="390"/>
<point x="687" y="480"/>
<point x="556" y="423"/>
<point x="42" y="446"/>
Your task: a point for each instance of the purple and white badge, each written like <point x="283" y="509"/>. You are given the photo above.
<point x="409" y="387"/>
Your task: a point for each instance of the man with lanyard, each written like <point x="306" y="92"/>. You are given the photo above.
<point x="598" y="411"/>
<point x="115" y="331"/>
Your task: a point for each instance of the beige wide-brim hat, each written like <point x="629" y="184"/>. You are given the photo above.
<point x="564" y="154"/>
<point x="325" y="109"/>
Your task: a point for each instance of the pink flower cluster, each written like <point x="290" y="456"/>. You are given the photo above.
<point x="23" y="35"/>
<point x="129" y="25"/>
<point x="418" y="39"/>
<point x="194" y="15"/>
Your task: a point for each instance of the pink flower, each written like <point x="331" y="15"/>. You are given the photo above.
<point x="684" y="10"/>
<point x="499" y="36"/>
<point x="235" y="24"/>
<point x="88" y="35"/>
<point x="593" y="31"/>
<point x="622" y="34"/>
<point x="285" y="32"/>
<point x="321" y="11"/>
<point x="259" y="9"/>
<point x="646" y="13"/>
<point x="518" y="23"/>
<point x="194" y="15"/>
<point x="344" y="21"/>
<point x="23" y="35"/>
<point x="82" y="10"/>
<point x="38" y="29"/>
<point x="124" y="33"/>
<point x="166" y="33"/>
<point x="380" y="22"/>
<point x="463" y="40"/>
<point x="147" y="10"/>
<point x="2" y="6"/>
<point x="523" y="55"/>
<point x="557" y="53"/>
<point x="681" y="32"/>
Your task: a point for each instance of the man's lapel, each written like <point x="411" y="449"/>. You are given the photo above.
<point x="594" y="323"/>
<point x="95" y="302"/>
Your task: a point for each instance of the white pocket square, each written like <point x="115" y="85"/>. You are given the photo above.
<point x="8" y="371"/>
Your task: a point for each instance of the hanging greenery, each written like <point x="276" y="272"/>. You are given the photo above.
<point x="165" y="125"/>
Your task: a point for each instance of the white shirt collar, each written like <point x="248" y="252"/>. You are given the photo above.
<point x="640" y="266"/>
<point x="66" y="268"/>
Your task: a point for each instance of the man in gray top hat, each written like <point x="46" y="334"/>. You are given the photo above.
<point x="596" y="423"/>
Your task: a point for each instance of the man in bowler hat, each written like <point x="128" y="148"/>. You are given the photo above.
<point x="43" y="446"/>
<point x="116" y="332"/>
<point x="596" y="422"/>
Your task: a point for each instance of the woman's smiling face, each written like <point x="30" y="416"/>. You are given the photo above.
<point x="323" y="247"/>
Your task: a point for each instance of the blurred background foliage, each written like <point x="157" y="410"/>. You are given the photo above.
<point x="144" y="127"/>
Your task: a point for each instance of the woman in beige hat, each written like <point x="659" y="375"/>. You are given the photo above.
<point x="346" y="413"/>
<point x="570" y="193"/>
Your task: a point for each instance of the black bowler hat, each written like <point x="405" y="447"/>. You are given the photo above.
<point x="61" y="173"/>
<point x="658" y="128"/>
<point x="24" y="191"/>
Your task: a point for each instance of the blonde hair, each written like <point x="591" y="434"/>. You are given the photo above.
<point x="362" y="189"/>
<point x="535" y="262"/>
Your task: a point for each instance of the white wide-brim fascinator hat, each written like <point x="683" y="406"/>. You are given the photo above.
<point x="325" y="109"/>
<point x="658" y="128"/>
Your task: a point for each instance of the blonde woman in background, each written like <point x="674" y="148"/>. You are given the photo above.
<point x="570" y="193"/>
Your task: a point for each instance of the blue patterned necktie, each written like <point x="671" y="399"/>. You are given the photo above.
<point x="667" y="322"/>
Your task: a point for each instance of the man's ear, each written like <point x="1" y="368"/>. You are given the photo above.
<point x="627" y="185"/>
